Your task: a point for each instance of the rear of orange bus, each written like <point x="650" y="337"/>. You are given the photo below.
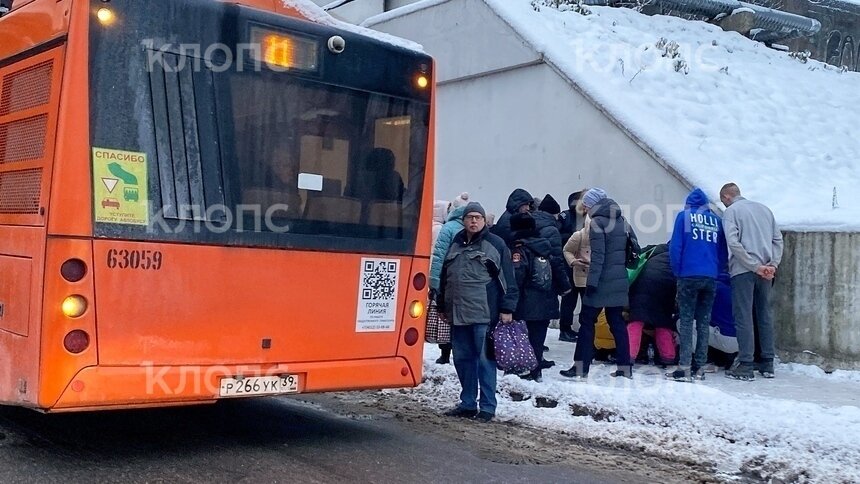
<point x="234" y="202"/>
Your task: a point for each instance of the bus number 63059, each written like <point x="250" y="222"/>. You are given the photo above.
<point x="134" y="259"/>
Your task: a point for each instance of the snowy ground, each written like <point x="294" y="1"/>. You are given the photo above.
<point x="803" y="426"/>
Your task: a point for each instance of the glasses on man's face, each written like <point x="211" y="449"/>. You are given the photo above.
<point x="475" y="217"/>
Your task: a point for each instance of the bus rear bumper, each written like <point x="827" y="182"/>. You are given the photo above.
<point x="124" y="387"/>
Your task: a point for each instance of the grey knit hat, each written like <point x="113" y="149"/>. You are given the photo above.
<point x="592" y="197"/>
<point x="474" y="207"/>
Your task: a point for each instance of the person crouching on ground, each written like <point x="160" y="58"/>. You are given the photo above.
<point x="478" y="290"/>
<point x="607" y="286"/>
<point x="652" y="304"/>
<point x="541" y="278"/>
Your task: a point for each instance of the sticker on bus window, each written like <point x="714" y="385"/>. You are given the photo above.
<point x="120" y="187"/>
<point x="377" y="296"/>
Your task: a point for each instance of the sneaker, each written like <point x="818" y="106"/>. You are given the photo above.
<point x="461" y="412"/>
<point x="709" y="368"/>
<point x="623" y="371"/>
<point x="572" y="373"/>
<point x="743" y="372"/>
<point x="483" y="417"/>
<point x="698" y="373"/>
<point x="765" y="368"/>
<point x="546" y="364"/>
<point x="680" y="376"/>
<point x="568" y="336"/>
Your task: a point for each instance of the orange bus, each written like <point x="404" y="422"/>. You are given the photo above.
<point x="203" y="200"/>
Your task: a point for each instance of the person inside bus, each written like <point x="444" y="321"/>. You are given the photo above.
<point x="282" y="180"/>
<point x="379" y="181"/>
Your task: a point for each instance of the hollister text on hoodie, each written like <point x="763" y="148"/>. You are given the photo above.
<point x="698" y="247"/>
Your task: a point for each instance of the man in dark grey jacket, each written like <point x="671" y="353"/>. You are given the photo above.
<point x="477" y="290"/>
<point x="607" y="287"/>
<point x="755" y="251"/>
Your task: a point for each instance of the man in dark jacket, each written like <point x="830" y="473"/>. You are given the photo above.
<point x="519" y="201"/>
<point x="541" y="278"/>
<point x="547" y="224"/>
<point x="699" y="253"/>
<point x="477" y="289"/>
<point x="568" y="223"/>
<point x="607" y="287"/>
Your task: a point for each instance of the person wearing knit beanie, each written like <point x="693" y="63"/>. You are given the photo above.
<point x="592" y="197"/>
<point x="461" y="201"/>
<point x="549" y="205"/>
<point x="474" y="207"/>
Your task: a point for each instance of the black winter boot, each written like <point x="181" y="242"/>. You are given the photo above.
<point x="445" y="358"/>
<point x="623" y="371"/>
<point x="573" y="373"/>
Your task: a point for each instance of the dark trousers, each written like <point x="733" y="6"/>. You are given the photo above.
<point x="751" y="294"/>
<point x="568" y="306"/>
<point x="584" y="352"/>
<point x="537" y="336"/>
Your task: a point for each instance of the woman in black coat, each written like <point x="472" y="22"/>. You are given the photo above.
<point x="607" y="287"/>
<point x="652" y="304"/>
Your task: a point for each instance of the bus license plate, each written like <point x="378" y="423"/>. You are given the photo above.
<point x="259" y="385"/>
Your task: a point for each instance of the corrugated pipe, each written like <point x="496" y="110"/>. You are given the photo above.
<point x="778" y="25"/>
<point x="768" y="25"/>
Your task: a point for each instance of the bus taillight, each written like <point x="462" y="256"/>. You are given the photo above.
<point x="76" y="341"/>
<point x="411" y="337"/>
<point x="73" y="270"/>
<point x="74" y="306"/>
<point x="416" y="309"/>
<point x="419" y="282"/>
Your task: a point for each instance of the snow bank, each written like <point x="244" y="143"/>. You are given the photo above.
<point x="714" y="105"/>
<point x="740" y="429"/>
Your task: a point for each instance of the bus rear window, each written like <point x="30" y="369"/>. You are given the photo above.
<point x="317" y="159"/>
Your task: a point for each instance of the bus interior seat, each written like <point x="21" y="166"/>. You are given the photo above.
<point x="332" y="187"/>
<point x="385" y="214"/>
<point x="333" y="209"/>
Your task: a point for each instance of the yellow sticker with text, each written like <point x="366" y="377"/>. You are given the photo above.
<point x="120" y="187"/>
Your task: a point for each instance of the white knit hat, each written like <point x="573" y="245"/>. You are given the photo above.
<point x="461" y="201"/>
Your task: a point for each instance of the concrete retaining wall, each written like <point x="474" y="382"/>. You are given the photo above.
<point x="817" y="300"/>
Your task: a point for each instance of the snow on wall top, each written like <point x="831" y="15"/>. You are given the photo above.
<point x="315" y="13"/>
<point x="404" y="10"/>
<point x="723" y="109"/>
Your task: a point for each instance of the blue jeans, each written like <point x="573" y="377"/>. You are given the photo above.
<point x="752" y="293"/>
<point x="695" y="302"/>
<point x="474" y="368"/>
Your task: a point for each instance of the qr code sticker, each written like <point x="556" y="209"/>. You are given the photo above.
<point x="379" y="280"/>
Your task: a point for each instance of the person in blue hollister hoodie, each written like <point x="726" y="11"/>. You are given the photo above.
<point x="698" y="253"/>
